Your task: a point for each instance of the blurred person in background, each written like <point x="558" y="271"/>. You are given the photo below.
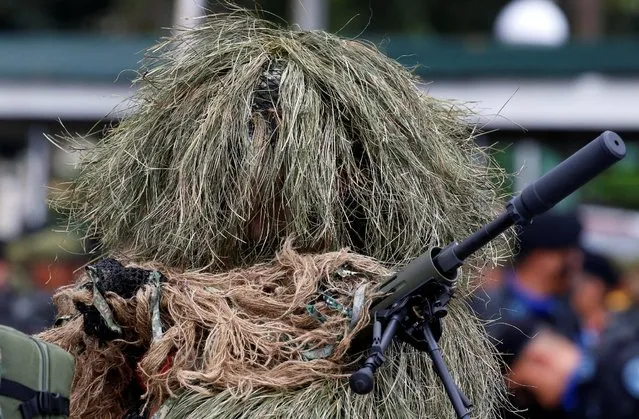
<point x="553" y="294"/>
<point x="538" y="284"/>
<point x="590" y="290"/>
<point x="25" y="297"/>
<point x="541" y="368"/>
<point x="552" y="377"/>
<point x="534" y="295"/>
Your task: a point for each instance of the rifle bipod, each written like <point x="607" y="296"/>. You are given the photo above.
<point x="422" y="331"/>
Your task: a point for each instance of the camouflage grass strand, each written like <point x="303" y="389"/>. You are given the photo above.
<point x="238" y="340"/>
<point x="347" y="136"/>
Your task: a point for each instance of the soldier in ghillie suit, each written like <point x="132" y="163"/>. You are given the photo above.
<point x="267" y="180"/>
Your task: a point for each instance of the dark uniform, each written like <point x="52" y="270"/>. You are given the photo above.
<point x="612" y="389"/>
<point x="511" y="303"/>
<point x="513" y="317"/>
<point x="605" y="385"/>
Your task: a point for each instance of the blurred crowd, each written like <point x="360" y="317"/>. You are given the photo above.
<point x="566" y="322"/>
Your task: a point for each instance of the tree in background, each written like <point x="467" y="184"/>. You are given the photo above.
<point x="349" y="17"/>
<point x="111" y="16"/>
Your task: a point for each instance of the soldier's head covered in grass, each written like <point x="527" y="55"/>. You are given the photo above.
<point x="265" y="180"/>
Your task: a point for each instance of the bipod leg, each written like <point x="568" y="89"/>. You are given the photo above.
<point x="454" y="394"/>
<point x="362" y="381"/>
<point x="465" y="400"/>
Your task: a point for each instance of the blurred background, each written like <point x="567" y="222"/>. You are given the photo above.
<point x="545" y="77"/>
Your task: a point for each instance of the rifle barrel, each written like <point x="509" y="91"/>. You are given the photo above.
<point x="540" y="196"/>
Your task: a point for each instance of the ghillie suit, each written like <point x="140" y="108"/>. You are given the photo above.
<point x="267" y="180"/>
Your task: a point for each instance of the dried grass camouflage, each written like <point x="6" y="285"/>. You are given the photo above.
<point x="245" y="134"/>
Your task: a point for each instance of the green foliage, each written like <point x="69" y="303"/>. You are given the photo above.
<point x="623" y="5"/>
<point x="114" y="16"/>
<point x="622" y="17"/>
<point x="349" y="17"/>
<point x="47" y="14"/>
<point x="618" y="185"/>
